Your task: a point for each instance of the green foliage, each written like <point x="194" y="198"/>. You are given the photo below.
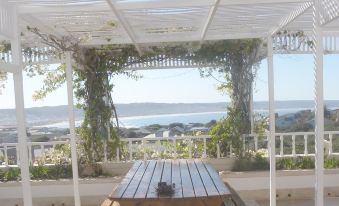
<point x="251" y="163"/>
<point x="230" y="130"/>
<point x="331" y="163"/>
<point x="12" y="174"/>
<point x="295" y="163"/>
<point x="40" y="139"/>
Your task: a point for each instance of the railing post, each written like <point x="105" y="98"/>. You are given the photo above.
<point x="293" y="146"/>
<point x="281" y="145"/>
<point x="218" y="150"/>
<point x="144" y="146"/>
<point x="6" y="156"/>
<point x="244" y="142"/>
<point x="305" y="142"/>
<point x="159" y="145"/>
<point x="17" y="155"/>
<point x="175" y="148"/>
<point x="204" y="155"/>
<point x="30" y="159"/>
<point x="105" y="151"/>
<point x="255" y="143"/>
<point x="231" y="150"/>
<point x="330" y="149"/>
<point x="190" y="148"/>
<point x="42" y="148"/>
<point x="118" y="154"/>
<point x="130" y="150"/>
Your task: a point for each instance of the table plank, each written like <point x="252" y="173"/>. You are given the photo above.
<point x="198" y="186"/>
<point x="167" y="172"/>
<point x="107" y="202"/>
<point x="146" y="180"/>
<point x="176" y="179"/>
<point x="119" y="191"/>
<point x="152" y="193"/>
<point x="187" y="187"/>
<point x="134" y="184"/>
<point x="218" y="182"/>
<point x="206" y="179"/>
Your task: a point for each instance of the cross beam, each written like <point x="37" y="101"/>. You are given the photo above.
<point x="291" y="17"/>
<point x="125" y="24"/>
<point x="209" y="20"/>
<point x="332" y="12"/>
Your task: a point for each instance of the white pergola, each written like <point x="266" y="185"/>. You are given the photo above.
<point x="140" y="22"/>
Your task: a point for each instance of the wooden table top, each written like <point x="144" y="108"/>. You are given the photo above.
<point x="192" y="179"/>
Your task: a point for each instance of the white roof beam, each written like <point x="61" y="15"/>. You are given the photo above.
<point x="122" y="5"/>
<point x="331" y="12"/>
<point x="130" y="5"/>
<point x="126" y="26"/>
<point x="36" y="23"/>
<point x="209" y="20"/>
<point x="291" y="17"/>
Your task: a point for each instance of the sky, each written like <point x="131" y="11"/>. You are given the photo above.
<point x="293" y="75"/>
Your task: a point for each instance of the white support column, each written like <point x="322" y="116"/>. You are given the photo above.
<point x="20" y="113"/>
<point x="69" y="77"/>
<point x="272" y="122"/>
<point x="319" y="104"/>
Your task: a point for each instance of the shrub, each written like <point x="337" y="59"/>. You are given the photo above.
<point x="12" y="174"/>
<point x="331" y="163"/>
<point x="251" y="163"/>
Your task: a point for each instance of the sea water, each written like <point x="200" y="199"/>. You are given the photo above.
<point x="165" y="119"/>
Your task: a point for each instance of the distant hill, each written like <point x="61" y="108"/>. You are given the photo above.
<point x="43" y="115"/>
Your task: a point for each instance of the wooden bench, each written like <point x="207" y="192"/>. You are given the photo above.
<point x="196" y="183"/>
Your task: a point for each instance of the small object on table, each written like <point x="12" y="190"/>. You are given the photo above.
<point x="165" y="189"/>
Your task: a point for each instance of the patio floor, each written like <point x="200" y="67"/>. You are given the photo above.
<point x="328" y="202"/>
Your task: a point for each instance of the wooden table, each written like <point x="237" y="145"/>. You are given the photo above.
<point x="196" y="183"/>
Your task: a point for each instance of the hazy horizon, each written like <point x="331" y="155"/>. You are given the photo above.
<point x="300" y="100"/>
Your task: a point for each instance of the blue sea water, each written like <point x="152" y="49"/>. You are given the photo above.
<point x="165" y="119"/>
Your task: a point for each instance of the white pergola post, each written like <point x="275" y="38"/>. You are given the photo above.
<point x="20" y="112"/>
<point x="69" y="77"/>
<point x="319" y="104"/>
<point x="272" y="121"/>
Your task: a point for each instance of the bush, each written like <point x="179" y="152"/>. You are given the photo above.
<point x="331" y="163"/>
<point x="12" y="174"/>
<point x="251" y="163"/>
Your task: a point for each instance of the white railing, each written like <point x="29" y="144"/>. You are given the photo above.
<point x="294" y="147"/>
<point x="288" y="145"/>
<point x="42" y="146"/>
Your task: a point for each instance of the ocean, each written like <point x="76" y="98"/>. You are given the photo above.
<point x="165" y="119"/>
